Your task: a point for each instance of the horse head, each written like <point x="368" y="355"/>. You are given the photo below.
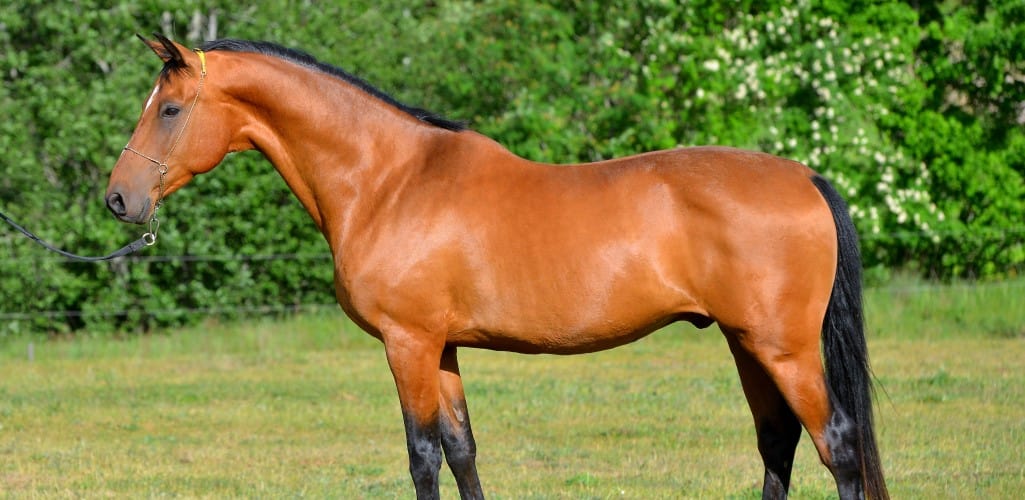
<point x="181" y="133"/>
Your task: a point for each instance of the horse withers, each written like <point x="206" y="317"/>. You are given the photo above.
<point x="444" y="239"/>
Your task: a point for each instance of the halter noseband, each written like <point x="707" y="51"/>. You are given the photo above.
<point x="162" y="167"/>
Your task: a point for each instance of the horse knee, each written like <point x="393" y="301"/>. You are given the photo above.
<point x="424" y="458"/>
<point x="423" y="441"/>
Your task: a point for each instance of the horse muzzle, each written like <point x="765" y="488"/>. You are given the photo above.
<point x="126" y="212"/>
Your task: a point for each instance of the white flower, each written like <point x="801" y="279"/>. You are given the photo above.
<point x="741" y="92"/>
<point x="711" y="65"/>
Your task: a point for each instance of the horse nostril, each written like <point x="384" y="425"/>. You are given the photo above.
<point x="116" y="204"/>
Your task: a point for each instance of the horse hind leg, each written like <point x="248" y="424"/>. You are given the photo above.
<point x="791" y="368"/>
<point x="777" y="428"/>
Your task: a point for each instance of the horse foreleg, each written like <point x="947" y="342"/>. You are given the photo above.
<point x="414" y="362"/>
<point x="456" y="436"/>
<point x="776" y="425"/>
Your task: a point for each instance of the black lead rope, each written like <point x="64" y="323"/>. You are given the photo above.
<point x="146" y="240"/>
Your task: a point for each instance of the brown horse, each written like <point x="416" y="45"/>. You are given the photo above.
<point x="443" y="239"/>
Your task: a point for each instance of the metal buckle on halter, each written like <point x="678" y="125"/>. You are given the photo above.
<point x="150" y="238"/>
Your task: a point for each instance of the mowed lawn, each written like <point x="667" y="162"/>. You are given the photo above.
<point x="306" y="407"/>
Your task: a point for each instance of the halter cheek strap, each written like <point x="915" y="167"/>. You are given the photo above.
<point x="162" y="166"/>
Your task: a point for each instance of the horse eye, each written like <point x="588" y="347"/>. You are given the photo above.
<point x="170" y="112"/>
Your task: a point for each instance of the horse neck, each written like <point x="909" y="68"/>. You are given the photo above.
<point x="337" y="147"/>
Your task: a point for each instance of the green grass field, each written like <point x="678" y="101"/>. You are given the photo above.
<point x="306" y="407"/>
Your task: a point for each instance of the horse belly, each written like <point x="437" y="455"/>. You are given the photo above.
<point x="580" y="303"/>
<point x="553" y="333"/>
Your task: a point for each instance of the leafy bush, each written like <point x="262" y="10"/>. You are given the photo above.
<point x="915" y="113"/>
<point x="866" y="94"/>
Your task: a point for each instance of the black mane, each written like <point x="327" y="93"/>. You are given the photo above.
<point x="304" y="59"/>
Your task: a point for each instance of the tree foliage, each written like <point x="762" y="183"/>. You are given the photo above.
<point x="914" y="110"/>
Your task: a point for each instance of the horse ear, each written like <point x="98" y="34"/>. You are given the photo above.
<point x="165" y="49"/>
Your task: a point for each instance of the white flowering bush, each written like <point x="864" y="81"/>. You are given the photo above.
<point x="817" y="91"/>
<point x="852" y="91"/>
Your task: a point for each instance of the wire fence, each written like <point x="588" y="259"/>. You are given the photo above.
<point x="264" y="310"/>
<point x="52" y="258"/>
<point x="898" y="288"/>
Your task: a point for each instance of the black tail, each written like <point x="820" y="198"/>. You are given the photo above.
<point x="844" y="346"/>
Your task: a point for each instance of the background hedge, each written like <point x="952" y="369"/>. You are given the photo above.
<point x="914" y="109"/>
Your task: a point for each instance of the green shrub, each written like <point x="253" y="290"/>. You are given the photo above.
<point x="915" y="113"/>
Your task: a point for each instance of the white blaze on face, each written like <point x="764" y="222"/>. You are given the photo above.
<point x="151" y="96"/>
